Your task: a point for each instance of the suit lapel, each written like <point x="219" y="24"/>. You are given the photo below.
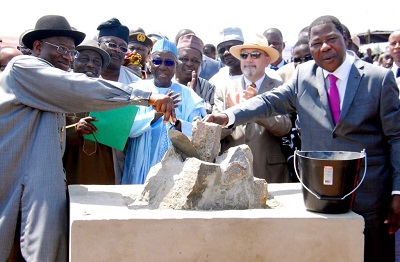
<point x="352" y="85"/>
<point x="266" y="85"/>
<point x="323" y="93"/>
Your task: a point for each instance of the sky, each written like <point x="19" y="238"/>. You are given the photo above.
<point x="206" y="17"/>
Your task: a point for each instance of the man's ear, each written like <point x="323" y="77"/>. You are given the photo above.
<point x="37" y="47"/>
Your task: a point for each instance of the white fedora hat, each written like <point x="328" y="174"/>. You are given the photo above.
<point x="260" y="42"/>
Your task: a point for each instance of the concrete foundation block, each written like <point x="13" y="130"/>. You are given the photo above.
<point x="103" y="228"/>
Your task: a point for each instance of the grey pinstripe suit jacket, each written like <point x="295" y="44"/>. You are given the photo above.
<point x="370" y="119"/>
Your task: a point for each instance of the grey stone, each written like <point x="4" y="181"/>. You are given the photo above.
<point x="196" y="184"/>
<point x="206" y="139"/>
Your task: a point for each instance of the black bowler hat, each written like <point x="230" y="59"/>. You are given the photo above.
<point x="51" y="25"/>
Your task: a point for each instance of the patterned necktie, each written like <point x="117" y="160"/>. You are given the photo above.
<point x="334" y="99"/>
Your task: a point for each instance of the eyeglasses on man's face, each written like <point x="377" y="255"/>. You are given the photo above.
<point x="254" y="55"/>
<point x="302" y="59"/>
<point x="113" y="45"/>
<point x="159" y="61"/>
<point x="62" y="50"/>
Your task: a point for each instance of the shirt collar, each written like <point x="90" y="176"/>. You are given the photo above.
<point x="343" y="70"/>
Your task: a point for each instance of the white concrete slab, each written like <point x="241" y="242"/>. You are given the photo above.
<point x="103" y="228"/>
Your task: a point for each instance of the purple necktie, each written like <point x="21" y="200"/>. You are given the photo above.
<point x="334" y="99"/>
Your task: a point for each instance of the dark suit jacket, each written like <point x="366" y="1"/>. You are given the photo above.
<point x="370" y="120"/>
<point x="209" y="67"/>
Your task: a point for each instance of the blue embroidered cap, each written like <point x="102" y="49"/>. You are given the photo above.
<point x="165" y="45"/>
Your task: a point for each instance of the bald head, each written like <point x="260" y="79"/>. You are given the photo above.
<point x="6" y="54"/>
<point x="394" y="46"/>
<point x="275" y="40"/>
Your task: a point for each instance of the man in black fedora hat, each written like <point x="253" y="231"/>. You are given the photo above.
<point x="35" y="93"/>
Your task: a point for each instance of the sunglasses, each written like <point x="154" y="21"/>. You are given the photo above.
<point x="62" y="50"/>
<point x="159" y="61"/>
<point x="112" y="45"/>
<point x="254" y="55"/>
<point x="302" y="59"/>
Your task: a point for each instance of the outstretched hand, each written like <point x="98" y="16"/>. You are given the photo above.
<point x="219" y="118"/>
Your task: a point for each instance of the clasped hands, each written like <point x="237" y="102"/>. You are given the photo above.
<point x="236" y="96"/>
<point x="165" y="105"/>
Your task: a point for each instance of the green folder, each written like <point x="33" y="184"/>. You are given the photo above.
<point x="113" y="126"/>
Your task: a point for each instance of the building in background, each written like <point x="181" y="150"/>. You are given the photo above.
<point x="9" y="41"/>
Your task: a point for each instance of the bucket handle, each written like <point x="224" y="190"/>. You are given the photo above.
<point x="329" y="197"/>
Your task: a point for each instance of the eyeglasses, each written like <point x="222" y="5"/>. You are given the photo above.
<point x="159" y="61"/>
<point x="254" y="55"/>
<point x="192" y="60"/>
<point x="113" y="45"/>
<point x="302" y="59"/>
<point x="62" y="50"/>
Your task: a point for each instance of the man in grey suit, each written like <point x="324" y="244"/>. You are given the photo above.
<point x="369" y="119"/>
<point x="263" y="136"/>
<point x="35" y="93"/>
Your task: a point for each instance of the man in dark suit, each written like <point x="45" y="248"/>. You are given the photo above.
<point x="369" y="119"/>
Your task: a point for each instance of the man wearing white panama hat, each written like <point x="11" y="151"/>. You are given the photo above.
<point x="35" y="93"/>
<point x="263" y="137"/>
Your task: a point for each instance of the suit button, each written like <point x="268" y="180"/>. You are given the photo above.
<point x="334" y="135"/>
